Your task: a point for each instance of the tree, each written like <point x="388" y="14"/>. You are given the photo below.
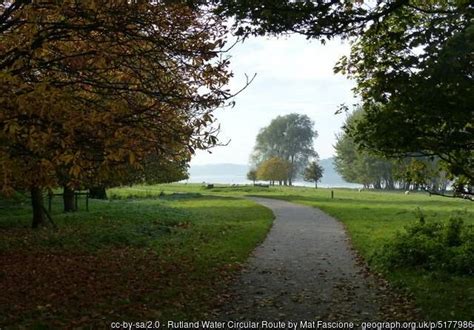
<point x="427" y="95"/>
<point x="359" y="166"/>
<point x="290" y="138"/>
<point x="88" y="89"/>
<point x="412" y="61"/>
<point x="154" y="169"/>
<point x="252" y="175"/>
<point x="422" y="173"/>
<point x="157" y="169"/>
<point x="315" y="19"/>
<point x="313" y="173"/>
<point x="274" y="169"/>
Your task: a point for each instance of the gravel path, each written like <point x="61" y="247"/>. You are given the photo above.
<point x="304" y="270"/>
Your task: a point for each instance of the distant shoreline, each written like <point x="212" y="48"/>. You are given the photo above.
<point x="227" y="173"/>
<point x="241" y="180"/>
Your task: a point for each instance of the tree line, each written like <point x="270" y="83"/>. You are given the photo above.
<point x="91" y="91"/>
<point x="357" y="165"/>
<point x="411" y="61"/>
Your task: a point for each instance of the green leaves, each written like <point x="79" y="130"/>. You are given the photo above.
<point x="289" y="138"/>
<point x="411" y="60"/>
<point x="313" y="173"/>
<point x="414" y="75"/>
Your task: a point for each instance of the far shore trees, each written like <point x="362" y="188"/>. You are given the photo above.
<point x="289" y="138"/>
<point x="89" y="92"/>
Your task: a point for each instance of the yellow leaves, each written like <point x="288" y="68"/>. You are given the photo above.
<point x="274" y="169"/>
<point x="114" y="157"/>
<point x="96" y="100"/>
<point x="11" y="127"/>
<point x="67" y="158"/>
<point x="132" y="158"/>
<point x="75" y="171"/>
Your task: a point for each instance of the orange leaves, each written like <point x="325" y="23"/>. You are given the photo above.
<point x="132" y="158"/>
<point x="11" y="127"/>
<point x="78" y="289"/>
<point x="66" y="158"/>
<point x="95" y="88"/>
<point x="75" y="171"/>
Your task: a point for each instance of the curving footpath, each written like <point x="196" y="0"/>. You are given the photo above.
<point x="306" y="270"/>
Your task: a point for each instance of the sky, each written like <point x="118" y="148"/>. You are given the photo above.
<point x="294" y="75"/>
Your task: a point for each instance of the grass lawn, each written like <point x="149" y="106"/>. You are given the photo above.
<point x="371" y="219"/>
<point x="166" y="252"/>
<point x="134" y="259"/>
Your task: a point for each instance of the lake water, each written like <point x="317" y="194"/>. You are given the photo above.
<point x="238" y="179"/>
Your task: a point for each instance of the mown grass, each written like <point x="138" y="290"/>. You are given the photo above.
<point x="125" y="259"/>
<point x="372" y="219"/>
<point x="189" y="237"/>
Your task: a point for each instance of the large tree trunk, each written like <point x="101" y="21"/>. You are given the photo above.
<point x="98" y="192"/>
<point x="292" y="171"/>
<point x="69" y="200"/>
<point x="39" y="217"/>
<point x="316" y="184"/>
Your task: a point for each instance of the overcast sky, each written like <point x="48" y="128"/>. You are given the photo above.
<point x="293" y="75"/>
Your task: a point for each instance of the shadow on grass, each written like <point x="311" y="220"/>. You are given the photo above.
<point x="184" y="196"/>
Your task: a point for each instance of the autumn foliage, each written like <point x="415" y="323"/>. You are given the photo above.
<point x="274" y="169"/>
<point x="89" y="89"/>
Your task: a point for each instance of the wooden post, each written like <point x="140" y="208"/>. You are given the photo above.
<point x="332" y="194"/>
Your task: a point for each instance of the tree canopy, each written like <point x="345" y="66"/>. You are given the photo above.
<point x="290" y="138"/>
<point x="315" y="19"/>
<point x="357" y="165"/>
<point x="90" y="88"/>
<point x="414" y="75"/>
<point x="412" y="62"/>
<point x="252" y="175"/>
<point x="313" y="173"/>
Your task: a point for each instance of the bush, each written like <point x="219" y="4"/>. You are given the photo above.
<point x="433" y="246"/>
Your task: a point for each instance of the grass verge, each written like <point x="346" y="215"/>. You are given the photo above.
<point x="133" y="259"/>
<point x="372" y="219"/>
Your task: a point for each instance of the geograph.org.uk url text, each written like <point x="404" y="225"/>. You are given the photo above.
<point x="242" y="324"/>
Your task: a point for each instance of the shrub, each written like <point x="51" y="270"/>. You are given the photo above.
<point x="433" y="246"/>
